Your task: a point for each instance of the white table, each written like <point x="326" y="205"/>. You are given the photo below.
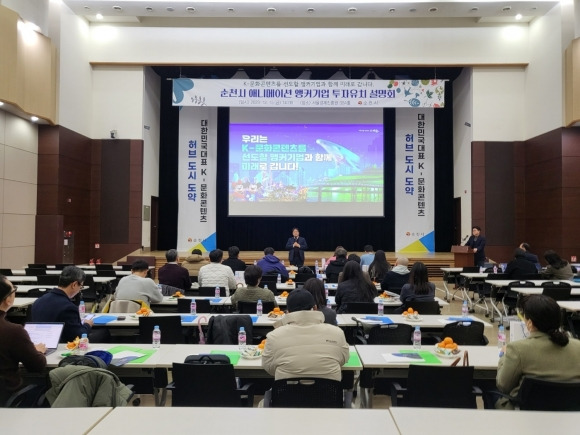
<point x="23" y="302"/>
<point x="449" y="272"/>
<point x="24" y="288"/>
<point x="153" y="361"/>
<point x="170" y="300"/>
<point x="569" y="305"/>
<point x="435" y="321"/>
<point x="436" y="421"/>
<point x="51" y="421"/>
<point x="257" y="421"/>
<point x="21" y="278"/>
<point x="539" y="290"/>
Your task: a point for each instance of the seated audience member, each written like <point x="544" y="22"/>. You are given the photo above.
<point x="353" y="257"/>
<point x="533" y="258"/>
<point x="546" y="353"/>
<point x="557" y="269"/>
<point x="137" y="287"/>
<point x="303" y="345"/>
<point x="215" y="274"/>
<point x="15" y="346"/>
<point x="333" y="256"/>
<point x="419" y="288"/>
<point x="253" y="293"/>
<point x="519" y="267"/>
<point x="194" y="262"/>
<point x="355" y="286"/>
<point x="336" y="266"/>
<point x="173" y="274"/>
<point x="316" y="289"/>
<point x="271" y="265"/>
<point x="379" y="267"/>
<point x="233" y="261"/>
<point x="57" y="306"/>
<point x="368" y="257"/>
<point x="398" y="276"/>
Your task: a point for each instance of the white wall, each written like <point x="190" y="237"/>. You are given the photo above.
<point x="462" y="138"/>
<point x="151" y="115"/>
<point x="498" y="104"/>
<point x="117" y="101"/>
<point x="35" y="11"/>
<point x="318" y="46"/>
<point x="18" y="185"/>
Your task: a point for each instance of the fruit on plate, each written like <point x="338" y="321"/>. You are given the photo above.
<point x="284" y="294"/>
<point x="289" y="281"/>
<point x="251" y="352"/>
<point x="447" y="343"/>
<point x="411" y="314"/>
<point x="144" y="311"/>
<point x="384" y="295"/>
<point x="262" y="344"/>
<point x="177" y="295"/>
<point x="71" y="345"/>
<point x="276" y="312"/>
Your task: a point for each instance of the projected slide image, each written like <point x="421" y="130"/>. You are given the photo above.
<point x="308" y="163"/>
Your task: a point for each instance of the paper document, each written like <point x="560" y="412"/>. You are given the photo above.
<point x="402" y="357"/>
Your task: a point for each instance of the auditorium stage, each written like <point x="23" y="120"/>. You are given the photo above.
<point x="433" y="261"/>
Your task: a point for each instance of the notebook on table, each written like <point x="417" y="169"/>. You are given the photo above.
<point x="45" y="332"/>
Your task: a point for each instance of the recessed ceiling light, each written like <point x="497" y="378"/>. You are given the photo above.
<point x="433" y="9"/>
<point x="231" y="10"/>
<point x="149" y="9"/>
<point x="170" y="9"/>
<point x="392" y="10"/>
<point x="87" y="8"/>
<point x="34" y="118"/>
<point x="117" y="8"/>
<point x="413" y="10"/>
<point x="310" y="10"/>
<point x="352" y="10"/>
<point x="474" y="9"/>
<point x="506" y="8"/>
<point x="518" y="17"/>
<point x="99" y="16"/>
<point x="533" y="8"/>
<point x="190" y="9"/>
<point x="271" y="10"/>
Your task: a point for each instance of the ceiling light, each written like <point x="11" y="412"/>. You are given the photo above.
<point x="506" y="8"/>
<point x="370" y="75"/>
<point x="274" y="74"/>
<point x="99" y="16"/>
<point x="34" y="118"/>
<point x="1" y="103"/>
<point x="392" y="10"/>
<point x="474" y="9"/>
<point x="190" y="9"/>
<point x="352" y="10"/>
<point x="149" y="9"/>
<point x="271" y="10"/>
<point x="413" y="10"/>
<point x="231" y="10"/>
<point x="339" y="75"/>
<point x="169" y="9"/>
<point x="306" y="74"/>
<point x="433" y="9"/>
<point x="117" y="8"/>
<point x="87" y="8"/>
<point x="518" y="17"/>
<point x="241" y="74"/>
<point x="310" y="10"/>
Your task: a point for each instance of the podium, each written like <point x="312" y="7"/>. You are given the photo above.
<point x="462" y="256"/>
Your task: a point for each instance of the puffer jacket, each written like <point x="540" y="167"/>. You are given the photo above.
<point x="193" y="263"/>
<point x="83" y="387"/>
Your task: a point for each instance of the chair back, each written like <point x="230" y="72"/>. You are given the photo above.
<point x="6" y="272"/>
<point x="396" y="290"/>
<point x="37" y="266"/>
<point x="36" y="293"/>
<point x="103" y="267"/>
<point x="440" y="387"/>
<point x="497" y="276"/>
<point x="303" y="277"/>
<point x="224" y="329"/>
<point x="307" y="393"/>
<point x="210" y="291"/>
<point x="34" y="271"/>
<point x="249" y="307"/>
<point x="466" y="333"/>
<point x="170" y="326"/>
<point x="270" y="284"/>
<point x="361" y="308"/>
<point x="395" y="333"/>
<point x="51" y="280"/>
<point x="124" y="306"/>
<point x="424" y="307"/>
<point x="126" y="267"/>
<point x="543" y="395"/>
<point x="61" y="266"/>
<point x="557" y="292"/>
<point x="205" y="385"/>
<point x="106" y="272"/>
<point x="201" y="305"/>
<point x="470" y="269"/>
<point x="332" y="277"/>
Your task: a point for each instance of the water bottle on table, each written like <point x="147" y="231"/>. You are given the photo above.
<point x="316" y="269"/>
<point x="328" y="304"/>
<point x="417" y="338"/>
<point x="465" y="309"/>
<point x="259" y="307"/>
<point x="381" y="306"/>
<point x="82" y="309"/>
<point x="156" y="342"/>
<point x="501" y="339"/>
<point x="193" y="307"/>
<point x="83" y="344"/>
<point x="217" y="292"/>
<point x="242" y="339"/>
<point x="279" y="279"/>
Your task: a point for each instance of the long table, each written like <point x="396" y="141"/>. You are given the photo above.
<point x="434" y="321"/>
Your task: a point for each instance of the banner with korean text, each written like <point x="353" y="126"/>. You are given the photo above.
<point x="197" y="179"/>
<point x="308" y="93"/>
<point x="415" y="181"/>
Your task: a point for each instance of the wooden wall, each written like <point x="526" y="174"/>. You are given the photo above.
<point x="76" y="192"/>
<point x="528" y="192"/>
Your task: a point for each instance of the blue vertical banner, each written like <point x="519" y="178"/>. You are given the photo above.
<point x="415" y="181"/>
<point x="197" y="179"/>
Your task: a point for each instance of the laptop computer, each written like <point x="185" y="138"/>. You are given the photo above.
<point x="45" y="332"/>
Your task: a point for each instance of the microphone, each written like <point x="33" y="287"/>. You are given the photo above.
<point x="465" y="238"/>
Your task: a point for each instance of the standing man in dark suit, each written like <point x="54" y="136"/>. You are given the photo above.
<point x="477" y="243"/>
<point x="296" y="246"/>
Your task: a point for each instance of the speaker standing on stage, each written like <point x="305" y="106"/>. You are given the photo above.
<point x="296" y="246"/>
<point x="477" y="243"/>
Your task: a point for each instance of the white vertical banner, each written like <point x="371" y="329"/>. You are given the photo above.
<point x="197" y="178"/>
<point x="415" y="181"/>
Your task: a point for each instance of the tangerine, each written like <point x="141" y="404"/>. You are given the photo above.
<point x="447" y="340"/>
<point x="409" y="310"/>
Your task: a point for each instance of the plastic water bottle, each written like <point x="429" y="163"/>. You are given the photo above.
<point x="242" y="339"/>
<point x="417" y="338"/>
<point x="255" y="262"/>
<point x="328" y="304"/>
<point x="316" y="269"/>
<point x="326" y="291"/>
<point x="259" y="307"/>
<point x="193" y="307"/>
<point x="282" y="262"/>
<point x="500" y="339"/>
<point x="381" y="306"/>
<point x="322" y="264"/>
<point x="84" y="344"/>
<point x="160" y="288"/>
<point x="266" y="287"/>
<point x="495" y="268"/>
<point x="465" y="309"/>
<point x="279" y="279"/>
<point x="217" y="292"/>
<point x="82" y="309"/>
<point x="156" y="337"/>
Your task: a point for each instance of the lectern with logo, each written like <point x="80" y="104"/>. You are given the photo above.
<point x="462" y="256"/>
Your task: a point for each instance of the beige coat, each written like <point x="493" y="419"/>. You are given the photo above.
<point x="303" y="345"/>
<point x="193" y="263"/>
<point x="536" y="356"/>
